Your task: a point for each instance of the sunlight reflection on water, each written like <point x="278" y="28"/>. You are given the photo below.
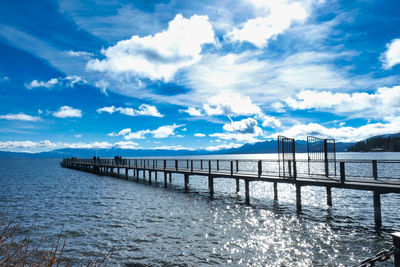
<point x="157" y="226"/>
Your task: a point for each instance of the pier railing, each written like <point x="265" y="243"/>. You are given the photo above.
<point x="366" y="170"/>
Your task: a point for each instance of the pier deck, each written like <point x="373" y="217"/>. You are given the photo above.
<point x="380" y="177"/>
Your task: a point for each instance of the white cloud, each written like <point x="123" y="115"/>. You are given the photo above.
<point x="35" y="83"/>
<point x="161" y="55"/>
<point x="161" y="132"/>
<point x="165" y="131"/>
<point x="137" y="135"/>
<point x="98" y="145"/>
<point x="239" y="137"/>
<point x="11" y="145"/>
<point x="391" y="56"/>
<point x="232" y="104"/>
<point x="383" y="104"/>
<point x="121" y="133"/>
<point x="245" y="126"/>
<point x="127" y="145"/>
<point x="268" y="121"/>
<point x="68" y="112"/>
<point x="68" y="81"/>
<point x="79" y="54"/>
<point x="199" y="135"/>
<point x="223" y="146"/>
<point x="102" y="84"/>
<point x="178" y="147"/>
<point x="280" y="16"/>
<point x="341" y="134"/>
<point x="78" y="135"/>
<point x="19" y="117"/>
<point x="143" y="110"/>
<point x="192" y="111"/>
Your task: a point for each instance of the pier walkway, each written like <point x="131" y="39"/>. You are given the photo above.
<point x="378" y="176"/>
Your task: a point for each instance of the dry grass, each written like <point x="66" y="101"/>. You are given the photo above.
<point x="16" y="249"/>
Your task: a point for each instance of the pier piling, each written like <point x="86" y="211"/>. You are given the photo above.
<point x="377" y="209"/>
<point x="275" y="191"/>
<point x="298" y="198"/>
<point x="329" y="196"/>
<point x="247" y="190"/>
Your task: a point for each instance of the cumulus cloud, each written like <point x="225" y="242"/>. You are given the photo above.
<point x="232" y="104"/>
<point x="122" y="132"/>
<point x="98" y="145"/>
<point x="165" y="131"/>
<point x="143" y="110"/>
<point x="199" y="135"/>
<point x="239" y="137"/>
<point x="161" y="132"/>
<point x="223" y="146"/>
<point x="68" y="81"/>
<point x="279" y="16"/>
<point x="246" y="126"/>
<point x="268" y="121"/>
<point x="11" y="145"/>
<point x="391" y="56"/>
<point x="160" y="56"/>
<point x="127" y="145"/>
<point x="19" y="117"/>
<point x="192" y="111"/>
<point x="68" y="112"/>
<point x="178" y="147"/>
<point x="382" y="104"/>
<point x="35" y="83"/>
<point x="341" y="134"/>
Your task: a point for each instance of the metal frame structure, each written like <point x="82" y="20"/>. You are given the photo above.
<point x="287" y="157"/>
<point x="321" y="150"/>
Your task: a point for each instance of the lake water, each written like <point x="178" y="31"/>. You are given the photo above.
<point x="149" y="225"/>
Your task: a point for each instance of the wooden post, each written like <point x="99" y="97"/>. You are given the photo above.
<point x="259" y="168"/>
<point x="144" y="174"/>
<point x="137" y="175"/>
<point x="396" y="244"/>
<point x="342" y="172"/>
<point x="298" y="198"/>
<point x="186" y="182"/>
<point x="126" y="173"/>
<point x="201" y="164"/>
<point x="377" y="209"/>
<point x="237" y="165"/>
<point x="176" y="165"/>
<point x="165" y="179"/>
<point x="209" y="166"/>
<point x="149" y="177"/>
<point x="155" y="176"/>
<point x="275" y="190"/>
<point x="187" y="164"/>
<point x="165" y="164"/>
<point x="217" y="164"/>
<point x="247" y="190"/>
<point x="231" y="168"/>
<point x="237" y="185"/>
<point x="329" y="196"/>
<point x="211" y="184"/>
<point x="191" y="166"/>
<point x="374" y="170"/>
<point x="170" y="177"/>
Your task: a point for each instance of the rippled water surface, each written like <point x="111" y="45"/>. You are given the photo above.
<point x="150" y="225"/>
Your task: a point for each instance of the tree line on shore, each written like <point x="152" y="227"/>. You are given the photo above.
<point x="377" y="144"/>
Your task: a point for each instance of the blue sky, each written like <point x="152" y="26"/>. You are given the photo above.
<point x="195" y="74"/>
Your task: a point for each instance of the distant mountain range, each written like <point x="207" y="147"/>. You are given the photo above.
<point x="256" y="148"/>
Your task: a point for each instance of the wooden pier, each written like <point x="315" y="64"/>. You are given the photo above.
<point x="378" y="176"/>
